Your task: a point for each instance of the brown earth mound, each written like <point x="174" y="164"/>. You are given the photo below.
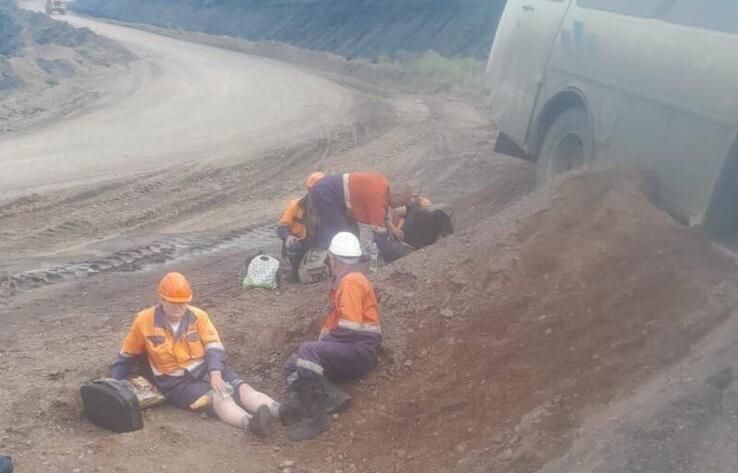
<point x="501" y="340"/>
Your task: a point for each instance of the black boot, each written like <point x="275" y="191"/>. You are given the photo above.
<point x="333" y="398"/>
<point x="260" y="423"/>
<point x="304" y="412"/>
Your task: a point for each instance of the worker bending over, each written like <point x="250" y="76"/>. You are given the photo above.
<point x="298" y="226"/>
<point x="187" y="359"/>
<point x="345" y="200"/>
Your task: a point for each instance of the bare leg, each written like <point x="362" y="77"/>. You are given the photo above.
<point x="229" y="412"/>
<point x="251" y="399"/>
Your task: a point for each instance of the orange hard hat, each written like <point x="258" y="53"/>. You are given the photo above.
<point x="313" y="179"/>
<point x="175" y="288"/>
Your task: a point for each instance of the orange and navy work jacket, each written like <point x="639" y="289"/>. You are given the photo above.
<point x="195" y="346"/>
<point x="292" y="221"/>
<point x="367" y="197"/>
<point x="353" y="314"/>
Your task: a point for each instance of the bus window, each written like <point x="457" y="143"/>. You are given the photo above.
<point x="641" y="8"/>
<point x="720" y="15"/>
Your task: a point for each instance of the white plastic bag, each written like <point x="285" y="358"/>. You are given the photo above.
<point x="263" y="272"/>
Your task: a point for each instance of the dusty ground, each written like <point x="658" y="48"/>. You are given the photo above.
<point x="56" y="71"/>
<point x="577" y="329"/>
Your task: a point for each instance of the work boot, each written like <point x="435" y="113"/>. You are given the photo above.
<point x="304" y="413"/>
<point x="333" y="398"/>
<point x="290" y="411"/>
<point x="309" y="426"/>
<point x="260" y="423"/>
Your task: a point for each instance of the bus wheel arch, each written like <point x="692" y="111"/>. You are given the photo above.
<point x="564" y="136"/>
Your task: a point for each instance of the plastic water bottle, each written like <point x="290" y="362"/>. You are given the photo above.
<point x="373" y="258"/>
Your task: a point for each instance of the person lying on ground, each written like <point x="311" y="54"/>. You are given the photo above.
<point x="187" y="359"/>
<point x="422" y="225"/>
<point x="399" y="215"/>
<point x="297" y="227"/>
<point x="349" y="339"/>
<point x="343" y="201"/>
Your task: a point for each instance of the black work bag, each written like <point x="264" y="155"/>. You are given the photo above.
<point x="111" y="404"/>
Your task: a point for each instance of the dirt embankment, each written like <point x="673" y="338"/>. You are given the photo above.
<point x="502" y="341"/>
<point x="351" y="28"/>
<point x="49" y="69"/>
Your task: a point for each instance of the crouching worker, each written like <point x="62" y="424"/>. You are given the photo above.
<point x="298" y="227"/>
<point x="347" y="348"/>
<point x="187" y="360"/>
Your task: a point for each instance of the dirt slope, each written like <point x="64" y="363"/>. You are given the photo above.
<point x="506" y="338"/>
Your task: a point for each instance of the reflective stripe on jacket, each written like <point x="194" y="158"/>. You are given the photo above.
<point x="195" y="344"/>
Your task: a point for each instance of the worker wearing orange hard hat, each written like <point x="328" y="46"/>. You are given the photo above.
<point x="298" y="226"/>
<point x="313" y="179"/>
<point x="187" y="360"/>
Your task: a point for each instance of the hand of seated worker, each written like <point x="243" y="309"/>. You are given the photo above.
<point x="291" y="240"/>
<point x="216" y="381"/>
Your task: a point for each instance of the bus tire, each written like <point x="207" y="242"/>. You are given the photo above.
<point x="568" y="144"/>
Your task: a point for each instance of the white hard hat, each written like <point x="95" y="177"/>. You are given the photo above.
<point x="346" y="245"/>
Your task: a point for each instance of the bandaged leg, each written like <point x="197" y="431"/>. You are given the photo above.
<point x="229" y="412"/>
<point x="251" y="399"/>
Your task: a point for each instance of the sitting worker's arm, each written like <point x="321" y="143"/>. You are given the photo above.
<point x="285" y="223"/>
<point x="283" y="232"/>
<point x="392" y="230"/>
<point x="348" y="308"/>
<point x="350" y="304"/>
<point x="134" y="345"/>
<point x="214" y="350"/>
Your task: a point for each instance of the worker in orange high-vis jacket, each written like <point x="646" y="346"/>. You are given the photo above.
<point x="345" y="200"/>
<point x="187" y="359"/>
<point x="297" y="227"/>
<point x="347" y="347"/>
<point x="350" y="335"/>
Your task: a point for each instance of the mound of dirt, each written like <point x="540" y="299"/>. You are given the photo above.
<point x="503" y="339"/>
<point x="49" y="68"/>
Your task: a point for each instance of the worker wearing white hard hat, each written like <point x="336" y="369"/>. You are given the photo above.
<point x="350" y="335"/>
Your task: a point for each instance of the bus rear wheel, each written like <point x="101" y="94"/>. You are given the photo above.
<point x="568" y="144"/>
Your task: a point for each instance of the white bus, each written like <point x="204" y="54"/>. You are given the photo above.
<point x="650" y="83"/>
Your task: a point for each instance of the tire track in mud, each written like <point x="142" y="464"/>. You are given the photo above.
<point x="145" y="257"/>
<point x="113" y="211"/>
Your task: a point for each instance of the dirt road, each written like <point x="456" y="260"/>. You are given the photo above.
<point x="183" y="103"/>
<point x="83" y="251"/>
<point x="578" y="330"/>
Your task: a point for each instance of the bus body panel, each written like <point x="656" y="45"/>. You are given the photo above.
<point x="520" y="51"/>
<point x="661" y="96"/>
